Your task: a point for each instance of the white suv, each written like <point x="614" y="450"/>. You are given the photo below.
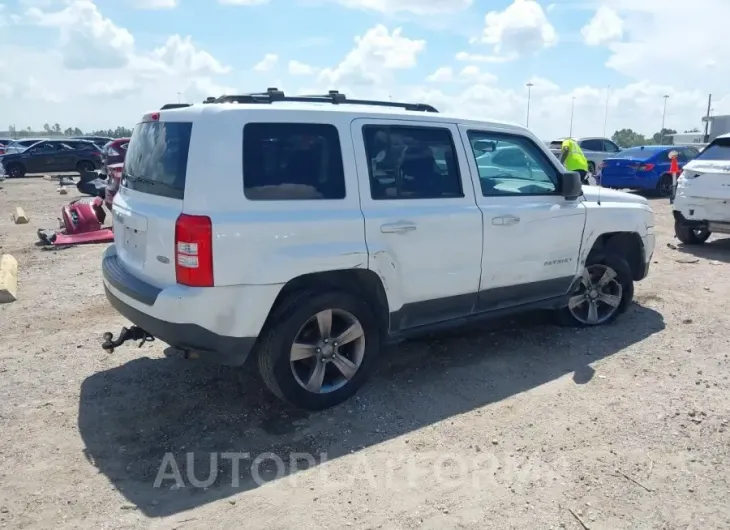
<point x="702" y="198"/>
<point x="310" y="230"/>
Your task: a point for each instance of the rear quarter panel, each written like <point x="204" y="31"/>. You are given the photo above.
<point x="267" y="242"/>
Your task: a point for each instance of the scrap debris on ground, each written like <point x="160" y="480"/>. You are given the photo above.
<point x="516" y="425"/>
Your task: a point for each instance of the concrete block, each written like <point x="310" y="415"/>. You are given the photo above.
<point x="63" y="191"/>
<point x="47" y="177"/>
<point x="8" y="279"/>
<point x="19" y="216"/>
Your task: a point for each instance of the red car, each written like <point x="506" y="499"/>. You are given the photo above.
<point x="114" y="152"/>
<point x="3" y="143"/>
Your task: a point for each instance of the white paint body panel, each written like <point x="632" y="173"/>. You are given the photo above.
<point x="258" y="246"/>
<point x="706" y="196"/>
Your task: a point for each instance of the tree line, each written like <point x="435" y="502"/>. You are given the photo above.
<point x="630" y="138"/>
<point x="57" y="130"/>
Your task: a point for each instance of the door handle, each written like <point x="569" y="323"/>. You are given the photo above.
<point x="505" y="220"/>
<point x="398" y="227"/>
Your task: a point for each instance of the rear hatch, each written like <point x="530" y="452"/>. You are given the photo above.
<point x="708" y="175"/>
<point x="150" y="198"/>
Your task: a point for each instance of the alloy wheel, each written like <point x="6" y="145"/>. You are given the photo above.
<point x="599" y="295"/>
<point x="327" y="351"/>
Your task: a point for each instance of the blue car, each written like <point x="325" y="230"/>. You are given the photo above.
<point x="644" y="168"/>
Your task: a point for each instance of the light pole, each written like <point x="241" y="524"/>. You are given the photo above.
<point x="179" y="97"/>
<point x="664" y="115"/>
<point x="572" y="111"/>
<point x="605" y="116"/>
<point x="529" y="94"/>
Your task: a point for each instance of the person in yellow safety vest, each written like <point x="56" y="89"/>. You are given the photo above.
<point x="572" y="157"/>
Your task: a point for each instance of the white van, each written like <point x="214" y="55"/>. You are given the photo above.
<point x="310" y="230"/>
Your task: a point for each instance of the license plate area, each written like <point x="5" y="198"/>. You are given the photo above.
<point x="130" y="231"/>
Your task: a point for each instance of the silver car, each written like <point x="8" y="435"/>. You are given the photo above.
<point x="595" y="149"/>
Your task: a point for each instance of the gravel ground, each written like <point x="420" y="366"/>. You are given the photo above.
<point x="519" y="424"/>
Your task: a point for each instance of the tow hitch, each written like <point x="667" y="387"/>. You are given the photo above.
<point x="133" y="333"/>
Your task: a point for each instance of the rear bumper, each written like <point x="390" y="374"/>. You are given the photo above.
<point x="698" y="210"/>
<point x="220" y="324"/>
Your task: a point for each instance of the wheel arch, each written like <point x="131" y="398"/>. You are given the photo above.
<point x="362" y="282"/>
<point x="629" y="245"/>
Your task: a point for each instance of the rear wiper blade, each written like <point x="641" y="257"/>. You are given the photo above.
<point x="140" y="179"/>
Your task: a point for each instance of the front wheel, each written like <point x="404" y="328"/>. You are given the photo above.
<point x="320" y="349"/>
<point x="15" y="171"/>
<point x="605" y="291"/>
<point x="690" y="235"/>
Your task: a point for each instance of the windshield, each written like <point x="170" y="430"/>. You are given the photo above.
<point x="157" y="158"/>
<point x="717" y="150"/>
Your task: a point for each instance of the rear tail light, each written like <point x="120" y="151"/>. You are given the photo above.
<point x="194" y="250"/>
<point x="603" y="164"/>
<point x="646" y="167"/>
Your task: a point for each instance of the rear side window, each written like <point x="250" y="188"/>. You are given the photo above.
<point x="157" y="158"/>
<point x="291" y="161"/>
<point x="592" y="145"/>
<point x="717" y="150"/>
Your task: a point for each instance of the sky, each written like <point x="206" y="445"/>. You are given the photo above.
<point x="104" y="63"/>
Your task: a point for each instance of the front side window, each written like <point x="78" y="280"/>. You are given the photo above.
<point x="292" y="161"/>
<point x="610" y="147"/>
<point x="411" y="162"/>
<point x="511" y="165"/>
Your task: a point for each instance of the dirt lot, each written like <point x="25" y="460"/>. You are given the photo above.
<point x="508" y="426"/>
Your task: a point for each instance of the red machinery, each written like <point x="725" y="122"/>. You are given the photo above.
<point x="82" y="220"/>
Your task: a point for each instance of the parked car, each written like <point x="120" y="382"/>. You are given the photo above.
<point x="53" y="156"/>
<point x="114" y="152"/>
<point x="644" y="168"/>
<point x="18" y="146"/>
<point x="3" y="144"/>
<point x="332" y="229"/>
<point x="701" y="204"/>
<point x="595" y="149"/>
<point x="100" y="141"/>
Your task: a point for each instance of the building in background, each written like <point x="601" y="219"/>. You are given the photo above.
<point x="718" y="125"/>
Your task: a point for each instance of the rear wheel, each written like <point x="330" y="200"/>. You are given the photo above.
<point x="690" y="235"/>
<point x="320" y="349"/>
<point x="665" y="186"/>
<point x="15" y="171"/>
<point x="605" y="291"/>
<point x="84" y="166"/>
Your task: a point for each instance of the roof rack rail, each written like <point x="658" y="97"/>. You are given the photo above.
<point x="334" y="97"/>
<point x="169" y="106"/>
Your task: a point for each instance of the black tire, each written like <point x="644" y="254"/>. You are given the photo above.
<point x="689" y="235"/>
<point x="664" y="187"/>
<point x="15" y="170"/>
<point x="84" y="166"/>
<point x="286" y="322"/>
<point x="623" y="276"/>
<point x="592" y="168"/>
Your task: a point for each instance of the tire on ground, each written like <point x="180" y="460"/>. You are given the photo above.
<point x="624" y="277"/>
<point x="688" y="235"/>
<point x="286" y="321"/>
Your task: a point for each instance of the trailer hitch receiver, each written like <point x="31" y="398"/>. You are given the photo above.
<point x="133" y="333"/>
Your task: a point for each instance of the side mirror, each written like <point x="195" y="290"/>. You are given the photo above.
<point x="570" y="185"/>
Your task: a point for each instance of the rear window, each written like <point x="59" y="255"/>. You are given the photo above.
<point x="635" y="152"/>
<point x="157" y="158"/>
<point x="291" y="161"/>
<point x="717" y="150"/>
<point x="557" y="144"/>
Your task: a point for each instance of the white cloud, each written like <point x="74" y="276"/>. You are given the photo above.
<point x="480" y="58"/>
<point x="111" y="89"/>
<point x="375" y="53"/>
<point x="156" y="4"/>
<point x="521" y="29"/>
<point x="298" y="68"/>
<point x="416" y="7"/>
<point x="181" y="56"/>
<point x="87" y="39"/>
<point x="267" y="63"/>
<point x="441" y="75"/>
<point x="473" y="74"/>
<point x="605" y="26"/>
